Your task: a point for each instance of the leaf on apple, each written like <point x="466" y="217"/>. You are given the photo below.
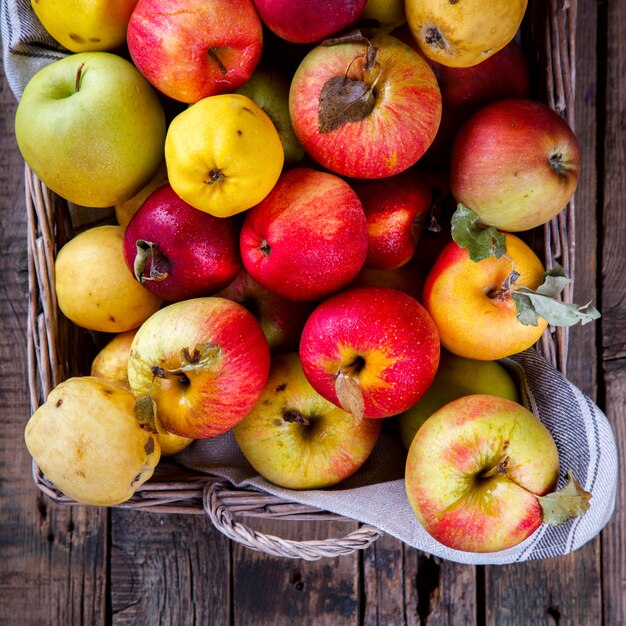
<point x="565" y="504"/>
<point x="343" y="100"/>
<point x="542" y="303"/>
<point x="146" y="250"/>
<point x="349" y="394"/>
<point x="203" y="355"/>
<point x="145" y="412"/>
<point x="481" y="242"/>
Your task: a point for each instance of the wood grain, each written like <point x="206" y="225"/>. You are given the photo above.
<point x="168" y="569"/>
<point x="613" y="303"/>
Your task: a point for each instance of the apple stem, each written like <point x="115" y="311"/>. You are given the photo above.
<point x="499" y="468"/>
<point x="265" y="248"/>
<point x="502" y="292"/>
<point x="212" y="52"/>
<point x="159" y="265"/>
<point x="79" y="74"/>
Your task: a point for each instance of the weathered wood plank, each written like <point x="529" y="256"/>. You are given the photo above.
<point x="168" y="569"/>
<point x="566" y="590"/>
<point x="613" y="304"/>
<point x="268" y="591"/>
<point x="53" y="565"/>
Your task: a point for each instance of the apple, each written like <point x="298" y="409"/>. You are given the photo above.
<point x="93" y="286"/>
<point x="125" y="210"/>
<point x="307" y="238"/>
<point x="85" y="26"/>
<point x="223" y="154"/>
<point x="365" y="109"/>
<point x="471" y="302"/>
<point x="270" y="90"/>
<point x="395" y="210"/>
<point x="465" y="90"/>
<point x="296" y="439"/>
<point x="385" y="12"/>
<point x="191" y="49"/>
<point x="91" y="128"/>
<point x="307" y="21"/>
<point x="203" y="362"/>
<point x="456" y="377"/>
<point x="381" y="339"/>
<point x="282" y="320"/>
<point x="87" y="442"/>
<point x="474" y="471"/>
<point x="463" y="34"/>
<point x="178" y="252"/>
<point x="515" y="163"/>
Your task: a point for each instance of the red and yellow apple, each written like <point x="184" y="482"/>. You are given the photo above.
<point x="471" y="302"/>
<point x="381" y="338"/>
<point x="365" y="110"/>
<point x="296" y="439"/>
<point x="515" y="163"/>
<point x="474" y="471"/>
<point x="203" y="362"/>
<point x="307" y="238"/>
<point x="191" y="49"/>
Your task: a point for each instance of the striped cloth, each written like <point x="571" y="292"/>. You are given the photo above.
<point x="376" y="494"/>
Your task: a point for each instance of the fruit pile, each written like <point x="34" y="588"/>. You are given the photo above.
<point x="316" y="204"/>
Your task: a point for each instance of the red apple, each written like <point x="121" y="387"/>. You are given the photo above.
<point x="381" y="339"/>
<point x="282" y="320"/>
<point x="296" y="439"/>
<point x="178" y="252"/>
<point x="191" y="49"/>
<point x="515" y="163"/>
<point x="306" y="21"/>
<point x="395" y="210"/>
<point x="203" y="362"/>
<point x="307" y="238"/>
<point x="474" y="471"/>
<point x="365" y="110"/>
<point x="472" y="305"/>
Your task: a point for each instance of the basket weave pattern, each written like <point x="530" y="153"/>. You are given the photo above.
<point x="56" y="348"/>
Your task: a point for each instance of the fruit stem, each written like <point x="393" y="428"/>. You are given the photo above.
<point x="265" y="248"/>
<point x="502" y="292"/>
<point x="212" y="52"/>
<point x="79" y="74"/>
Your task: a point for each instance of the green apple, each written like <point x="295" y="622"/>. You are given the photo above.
<point x="385" y="11"/>
<point x="456" y="377"/>
<point x="270" y="90"/>
<point x="91" y="128"/>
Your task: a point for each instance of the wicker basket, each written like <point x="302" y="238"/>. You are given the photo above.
<point x="58" y="349"/>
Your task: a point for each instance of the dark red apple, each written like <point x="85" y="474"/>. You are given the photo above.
<point x="307" y="238"/>
<point x="178" y="252"/>
<point x="395" y="209"/>
<point x="282" y="320"/>
<point x="306" y="21"/>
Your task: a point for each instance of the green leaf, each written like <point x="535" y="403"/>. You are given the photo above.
<point x="569" y="502"/>
<point x="481" y="242"/>
<point x="526" y="313"/>
<point x="349" y="394"/>
<point x="553" y="282"/>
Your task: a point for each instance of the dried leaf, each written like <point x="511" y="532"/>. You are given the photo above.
<point x="569" y="502"/>
<point x="145" y="412"/>
<point x="343" y="100"/>
<point x="480" y="242"/>
<point x="202" y="356"/>
<point x="349" y="394"/>
<point x="144" y="251"/>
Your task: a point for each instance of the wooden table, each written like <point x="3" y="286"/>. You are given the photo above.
<point x="76" y="565"/>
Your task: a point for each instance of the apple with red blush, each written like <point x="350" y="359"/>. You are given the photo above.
<point x="192" y="49"/>
<point x="307" y="21"/>
<point x="368" y="108"/>
<point x="282" y="320"/>
<point x="178" y="252"/>
<point x="371" y="350"/>
<point x="307" y="238"/>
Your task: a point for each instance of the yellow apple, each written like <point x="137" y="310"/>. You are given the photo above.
<point x="223" y="154"/>
<point x="385" y="11"/>
<point x="94" y="287"/>
<point x="85" y="25"/>
<point x="86" y="440"/>
<point x="456" y="377"/>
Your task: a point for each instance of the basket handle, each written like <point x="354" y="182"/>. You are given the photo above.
<point x="312" y="550"/>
